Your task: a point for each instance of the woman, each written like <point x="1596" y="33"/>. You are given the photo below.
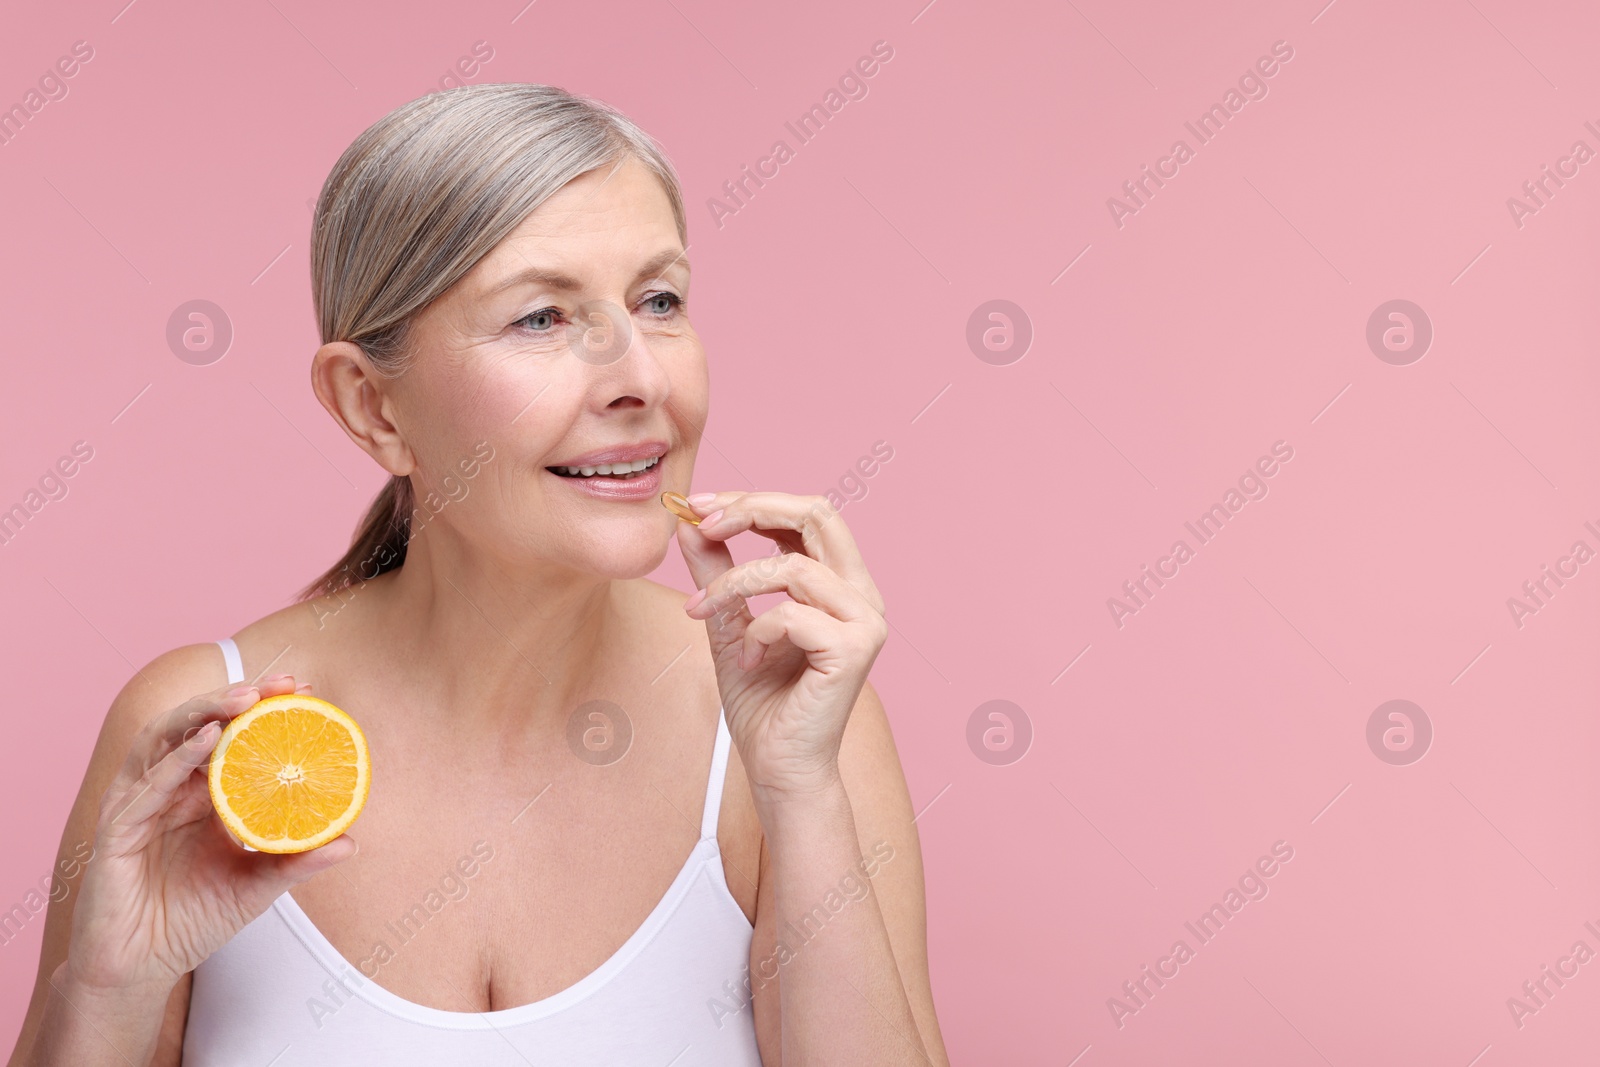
<point x="608" y="824"/>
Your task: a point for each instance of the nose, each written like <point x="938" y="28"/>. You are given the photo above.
<point x="622" y="365"/>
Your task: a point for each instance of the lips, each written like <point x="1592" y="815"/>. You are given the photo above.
<point x="643" y="486"/>
<point x="616" y="454"/>
<point x="608" y="470"/>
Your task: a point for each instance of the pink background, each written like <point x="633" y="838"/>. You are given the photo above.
<point x="1227" y="314"/>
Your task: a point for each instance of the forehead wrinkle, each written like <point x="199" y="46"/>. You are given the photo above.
<point x="615" y="167"/>
<point x="553" y="277"/>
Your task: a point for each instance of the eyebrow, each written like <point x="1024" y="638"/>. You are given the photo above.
<point x="567" y="283"/>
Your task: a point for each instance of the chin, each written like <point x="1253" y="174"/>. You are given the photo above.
<point x="626" y="553"/>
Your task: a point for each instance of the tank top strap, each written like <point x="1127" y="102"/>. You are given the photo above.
<point x="719" y="770"/>
<point x="230" y="658"/>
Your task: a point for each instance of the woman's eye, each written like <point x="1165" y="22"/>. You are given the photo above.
<point x="541" y="321"/>
<point x="663" y="303"/>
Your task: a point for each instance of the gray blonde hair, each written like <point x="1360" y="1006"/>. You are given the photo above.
<point x="414" y="204"/>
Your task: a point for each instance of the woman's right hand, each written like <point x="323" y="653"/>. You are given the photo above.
<point x="166" y="885"/>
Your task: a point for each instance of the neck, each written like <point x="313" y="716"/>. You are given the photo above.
<point x="495" y="645"/>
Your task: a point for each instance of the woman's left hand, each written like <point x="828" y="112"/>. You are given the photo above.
<point x="790" y="676"/>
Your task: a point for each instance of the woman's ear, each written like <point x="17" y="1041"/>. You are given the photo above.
<point x="355" y="394"/>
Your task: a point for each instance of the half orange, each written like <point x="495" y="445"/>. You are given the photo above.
<point x="289" y="774"/>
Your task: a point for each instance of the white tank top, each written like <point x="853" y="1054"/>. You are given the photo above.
<point x="278" y="994"/>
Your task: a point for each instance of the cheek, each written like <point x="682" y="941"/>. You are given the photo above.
<point x="516" y="406"/>
<point x="689" y="376"/>
<point x="505" y="395"/>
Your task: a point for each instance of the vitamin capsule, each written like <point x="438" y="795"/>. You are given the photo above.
<point x="676" y="504"/>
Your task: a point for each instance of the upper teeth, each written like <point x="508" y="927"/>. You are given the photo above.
<point x="612" y="468"/>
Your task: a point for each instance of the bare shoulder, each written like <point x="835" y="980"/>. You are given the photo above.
<point x="656" y="595"/>
<point x="159" y="686"/>
<point x="659" y="610"/>
<point x="309" y="638"/>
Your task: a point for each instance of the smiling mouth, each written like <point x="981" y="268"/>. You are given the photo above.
<point x="617" y="472"/>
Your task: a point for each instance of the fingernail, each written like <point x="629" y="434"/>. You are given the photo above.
<point x="700" y="500"/>
<point x="240" y="690"/>
<point x="280" y="677"/>
<point x="711" y="519"/>
<point x="689" y="605"/>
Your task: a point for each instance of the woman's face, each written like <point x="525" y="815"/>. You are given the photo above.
<point x="568" y="340"/>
